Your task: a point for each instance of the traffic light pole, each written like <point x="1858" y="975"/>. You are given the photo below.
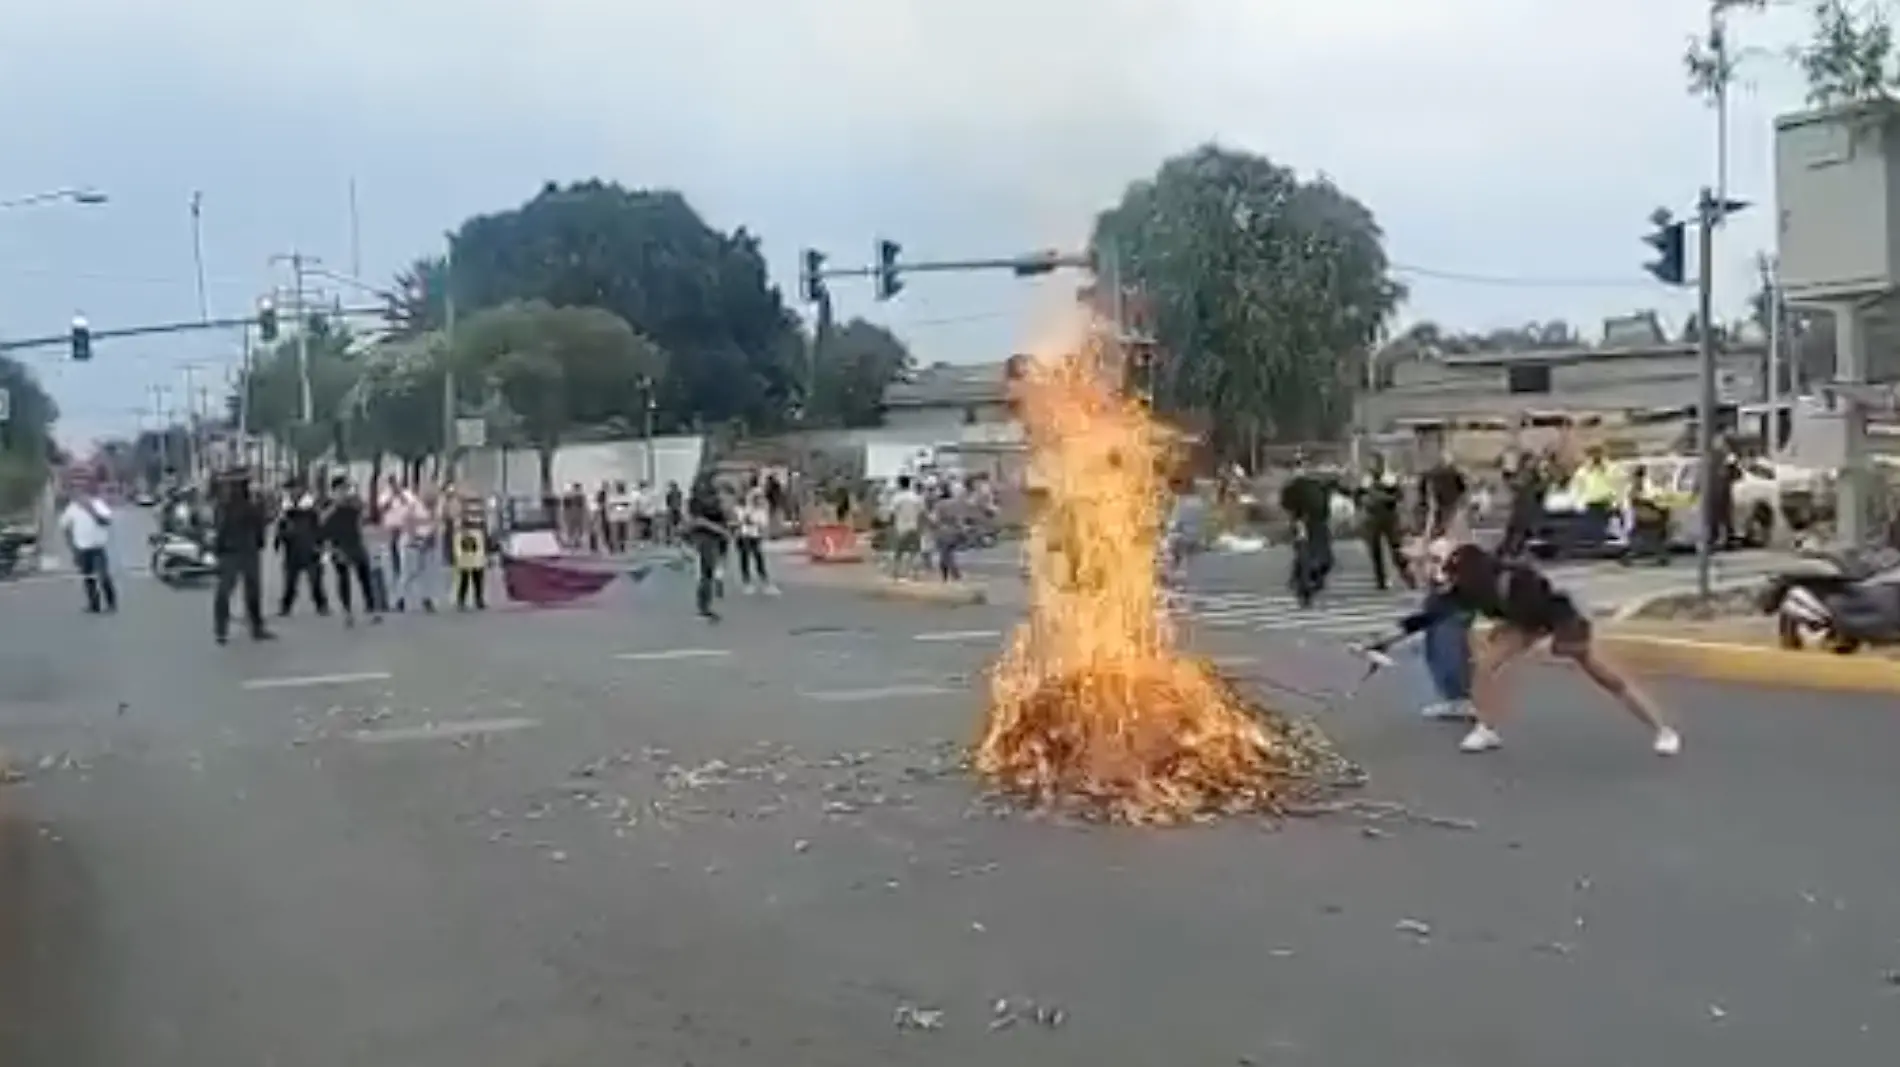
<point x="1708" y="212"/>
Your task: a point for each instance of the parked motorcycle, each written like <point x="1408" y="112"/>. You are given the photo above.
<point x="179" y="560"/>
<point x="1848" y="601"/>
<point x="18" y="547"/>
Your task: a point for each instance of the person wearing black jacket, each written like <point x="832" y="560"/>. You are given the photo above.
<point x="340" y="530"/>
<point x="1527" y="609"/>
<point x="1441" y="494"/>
<point x="239" y="525"/>
<point x="300" y="547"/>
<point x="1525" y="481"/>
<point x="707" y="526"/>
<point x="1307" y="500"/>
<point x="1379" y="497"/>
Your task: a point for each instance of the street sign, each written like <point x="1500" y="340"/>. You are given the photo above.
<point x="471" y="433"/>
<point x="6" y="403"/>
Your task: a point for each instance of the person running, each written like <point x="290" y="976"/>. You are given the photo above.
<point x="341" y="532"/>
<point x="1307" y="500"/>
<point x="707" y="528"/>
<point x="1526" y="610"/>
<point x="86" y="523"/>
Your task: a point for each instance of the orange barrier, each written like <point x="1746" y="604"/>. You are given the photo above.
<point x="831" y="542"/>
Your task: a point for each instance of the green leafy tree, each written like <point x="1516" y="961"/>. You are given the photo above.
<point x="649" y="258"/>
<point x="395" y="406"/>
<point x="856" y="362"/>
<point x="275" y="390"/>
<point x="419" y="298"/>
<point x="1849" y="55"/>
<point x="26" y="437"/>
<point x="1267" y="293"/>
<point x="554" y="369"/>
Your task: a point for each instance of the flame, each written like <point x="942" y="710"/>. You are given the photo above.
<point x="1092" y="706"/>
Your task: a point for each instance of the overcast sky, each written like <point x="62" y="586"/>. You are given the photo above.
<point x="1516" y="146"/>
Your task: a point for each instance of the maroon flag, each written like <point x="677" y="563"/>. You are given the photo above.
<point x="545" y="583"/>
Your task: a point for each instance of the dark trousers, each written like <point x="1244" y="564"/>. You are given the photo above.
<point x="1519" y="528"/>
<point x="752" y="560"/>
<point x="234" y="569"/>
<point x="1648" y="537"/>
<point x="709" y="549"/>
<point x="471" y="581"/>
<point x="1383" y="543"/>
<point x="1312" y="562"/>
<point x="353" y="568"/>
<point x="302" y="566"/>
<point x="97" y="578"/>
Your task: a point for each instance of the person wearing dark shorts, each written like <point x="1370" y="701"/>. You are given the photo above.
<point x="1525" y="609"/>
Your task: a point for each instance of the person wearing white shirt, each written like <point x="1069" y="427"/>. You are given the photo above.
<point x="906" y="511"/>
<point x="755" y="517"/>
<point x="86" y="523"/>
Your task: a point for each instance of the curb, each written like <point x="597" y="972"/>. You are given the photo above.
<point x="1742" y="664"/>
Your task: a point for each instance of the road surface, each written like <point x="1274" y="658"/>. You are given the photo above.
<point x="616" y="835"/>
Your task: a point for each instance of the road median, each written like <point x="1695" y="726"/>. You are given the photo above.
<point x="1744" y="652"/>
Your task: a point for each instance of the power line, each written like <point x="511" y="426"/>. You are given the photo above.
<point x="1518" y="281"/>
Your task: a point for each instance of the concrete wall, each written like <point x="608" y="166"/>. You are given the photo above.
<point x="1429" y="390"/>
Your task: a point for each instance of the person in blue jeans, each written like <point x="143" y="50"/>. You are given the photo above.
<point x="1447" y="644"/>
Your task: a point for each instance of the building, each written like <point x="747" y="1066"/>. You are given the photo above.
<point x="945" y="398"/>
<point x="1646" y="392"/>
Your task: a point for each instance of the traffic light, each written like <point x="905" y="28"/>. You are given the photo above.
<point x="267" y="321"/>
<point x="888" y="283"/>
<point x="82" y="339"/>
<point x="811" y="278"/>
<point x="1668" y="241"/>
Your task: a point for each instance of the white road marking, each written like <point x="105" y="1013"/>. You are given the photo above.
<point x="435" y="731"/>
<point x="672" y="654"/>
<point x="959" y="635"/>
<point x="884" y="692"/>
<point x="312" y="680"/>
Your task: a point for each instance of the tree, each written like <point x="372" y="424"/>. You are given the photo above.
<point x="1849" y="54"/>
<point x="395" y="406"/>
<point x="555" y="368"/>
<point x="419" y="299"/>
<point x="26" y="437"/>
<point x="649" y="258"/>
<point x="856" y="362"/>
<point x="276" y="391"/>
<point x="1268" y="293"/>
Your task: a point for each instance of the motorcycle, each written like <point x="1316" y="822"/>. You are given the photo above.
<point x="1849" y="601"/>
<point x="17" y="547"/>
<point x="179" y="560"/>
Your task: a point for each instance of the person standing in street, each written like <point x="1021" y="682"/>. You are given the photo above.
<point x="1379" y="498"/>
<point x="341" y="533"/>
<point x="1447" y="638"/>
<point x="300" y="547"/>
<point x="421" y="552"/>
<point x="1441" y="499"/>
<point x="468" y="549"/>
<point x="239" y="527"/>
<point x="86" y="522"/>
<point x="707" y="529"/>
<point x="906" y="510"/>
<point x="755" y="517"/>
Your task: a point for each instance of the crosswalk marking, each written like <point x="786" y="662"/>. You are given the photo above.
<point x="1354" y="608"/>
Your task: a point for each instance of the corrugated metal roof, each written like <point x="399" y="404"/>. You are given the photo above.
<point x="950" y="385"/>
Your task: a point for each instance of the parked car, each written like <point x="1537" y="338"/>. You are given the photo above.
<point x="1675" y="480"/>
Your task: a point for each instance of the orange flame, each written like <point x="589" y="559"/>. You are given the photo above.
<point x="1091" y="704"/>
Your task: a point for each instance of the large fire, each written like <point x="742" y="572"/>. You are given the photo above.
<point x="1092" y="707"/>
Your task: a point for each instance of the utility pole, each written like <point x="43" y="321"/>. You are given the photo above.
<point x="198" y="253"/>
<point x="300" y="268"/>
<point x="448" y="362"/>
<point x="1708" y="209"/>
<point x="356" y="236"/>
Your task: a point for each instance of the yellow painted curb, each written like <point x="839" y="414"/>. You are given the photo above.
<point x="1764" y="665"/>
<point x="929" y="592"/>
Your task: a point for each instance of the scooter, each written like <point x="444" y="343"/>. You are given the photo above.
<point x="1850" y="600"/>
<point x="179" y="560"/>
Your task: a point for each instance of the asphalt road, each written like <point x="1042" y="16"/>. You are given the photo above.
<point x="616" y="835"/>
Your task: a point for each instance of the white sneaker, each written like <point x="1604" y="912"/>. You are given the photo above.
<point x="1668" y="742"/>
<point x="769" y="590"/>
<point x="749" y="589"/>
<point x="1481" y="739"/>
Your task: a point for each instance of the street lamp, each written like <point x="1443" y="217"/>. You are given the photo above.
<point x="87" y="196"/>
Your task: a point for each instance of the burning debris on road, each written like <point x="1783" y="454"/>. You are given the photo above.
<point x="1093" y="708"/>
